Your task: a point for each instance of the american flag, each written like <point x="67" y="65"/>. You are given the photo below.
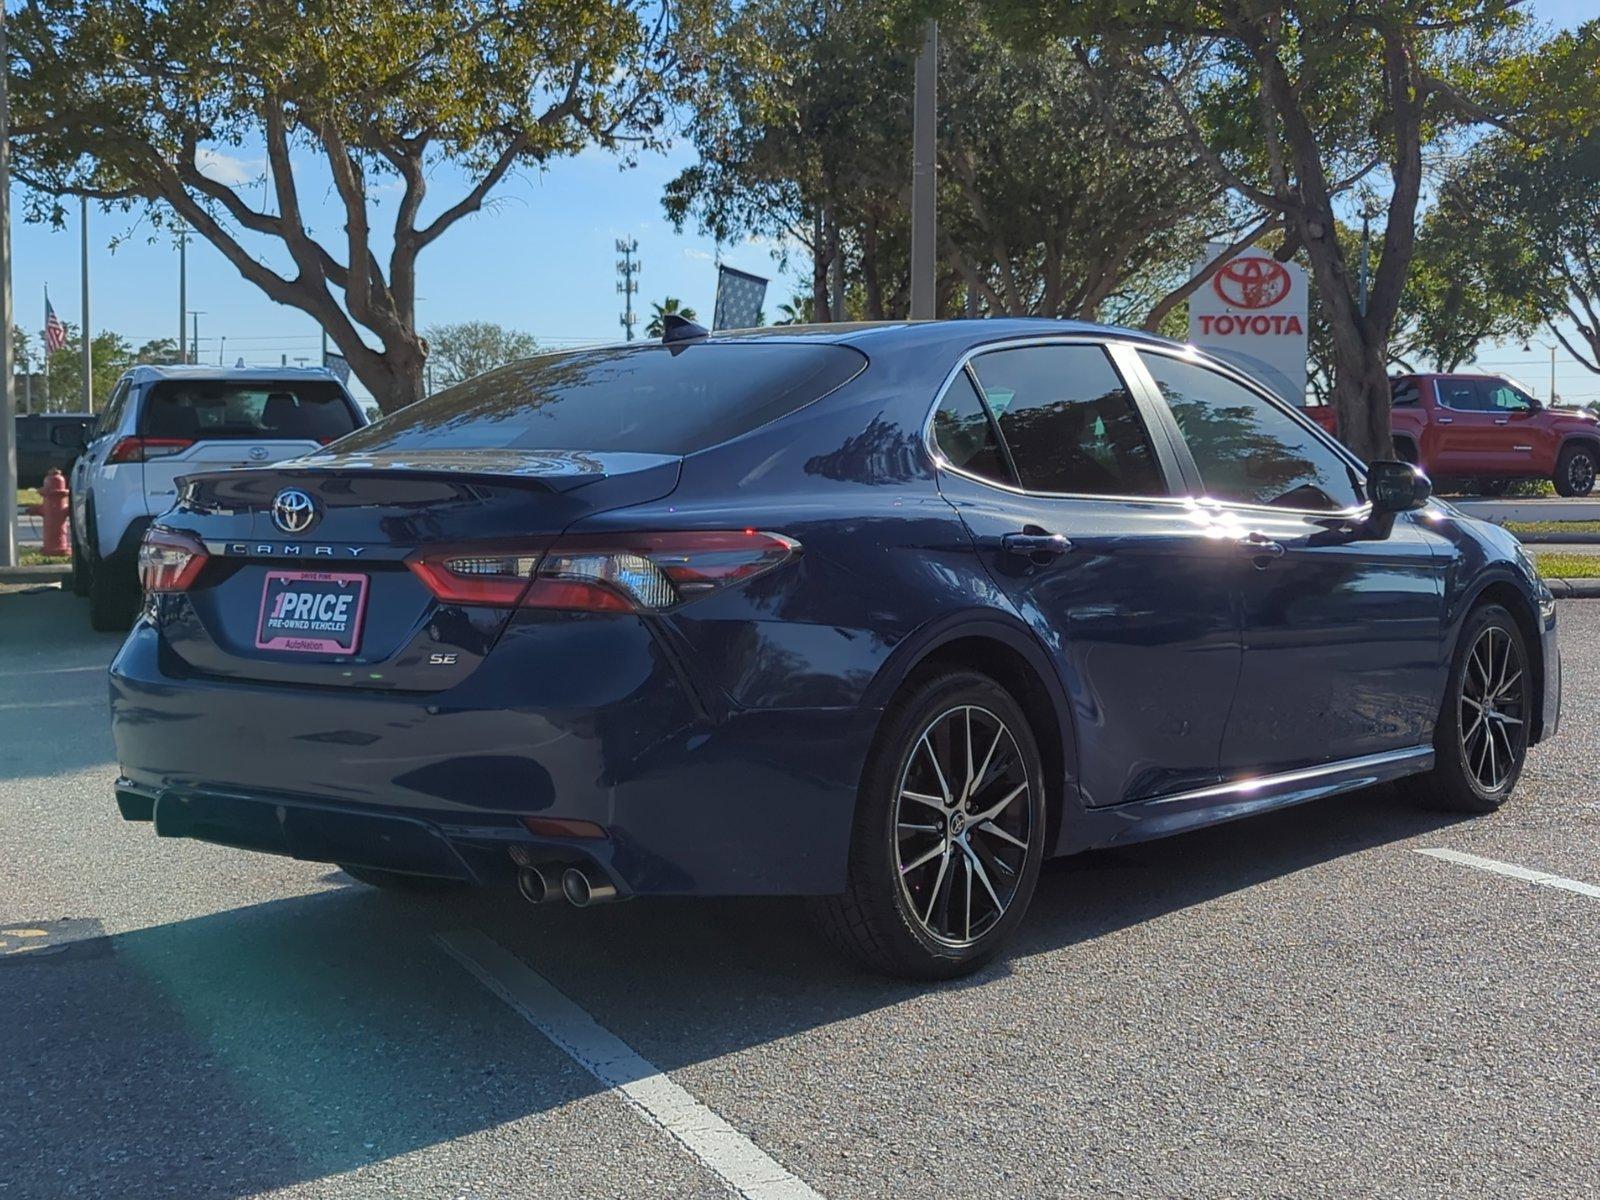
<point x="55" y="333"/>
<point x="739" y="297"/>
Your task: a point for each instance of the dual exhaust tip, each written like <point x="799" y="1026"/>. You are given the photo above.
<point x="541" y="885"/>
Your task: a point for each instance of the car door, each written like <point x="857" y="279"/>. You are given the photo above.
<point x="1343" y="628"/>
<point x="91" y="472"/>
<point x="1469" y="437"/>
<point x="1069" y="496"/>
<point x="1521" y="444"/>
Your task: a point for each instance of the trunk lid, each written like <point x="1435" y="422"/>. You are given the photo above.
<point x="369" y="512"/>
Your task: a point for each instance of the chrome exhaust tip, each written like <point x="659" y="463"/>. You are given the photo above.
<point x="537" y="887"/>
<point x="581" y="891"/>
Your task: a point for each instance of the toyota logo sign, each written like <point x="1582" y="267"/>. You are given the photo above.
<point x="293" y="511"/>
<point x="1252" y="282"/>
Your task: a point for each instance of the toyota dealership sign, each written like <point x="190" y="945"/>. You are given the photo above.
<point x="1252" y="313"/>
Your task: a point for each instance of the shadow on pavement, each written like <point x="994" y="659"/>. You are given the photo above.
<point x="301" y="1038"/>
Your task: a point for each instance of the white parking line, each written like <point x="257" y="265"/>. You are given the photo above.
<point x="1542" y="878"/>
<point x="742" y="1164"/>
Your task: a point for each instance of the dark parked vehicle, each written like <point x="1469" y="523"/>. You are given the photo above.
<point x="879" y="615"/>
<point x="47" y="441"/>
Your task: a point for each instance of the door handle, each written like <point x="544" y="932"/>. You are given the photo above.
<point x="1502" y="420"/>
<point x="1260" y="546"/>
<point x="1030" y="544"/>
<point x="1444" y="420"/>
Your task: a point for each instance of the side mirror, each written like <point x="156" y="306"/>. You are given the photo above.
<point x="1396" y="487"/>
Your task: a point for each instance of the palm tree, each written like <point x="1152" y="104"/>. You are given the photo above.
<point x="671" y="306"/>
<point x="798" y="311"/>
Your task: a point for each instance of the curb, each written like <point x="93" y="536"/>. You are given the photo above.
<point x="1568" y="539"/>
<point x="1574" y="589"/>
<point x="43" y="573"/>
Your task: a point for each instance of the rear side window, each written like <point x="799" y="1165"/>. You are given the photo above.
<point x="1463" y="395"/>
<point x="1069" y="423"/>
<point x="1404" y="391"/>
<point x="295" y="410"/>
<point x="650" y="399"/>
<point x="966" y="436"/>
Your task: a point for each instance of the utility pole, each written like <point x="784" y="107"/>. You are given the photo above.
<point x="627" y="282"/>
<point x="85" y="338"/>
<point x="183" y="288"/>
<point x="8" y="415"/>
<point x="924" y="211"/>
<point x="222" y="348"/>
<point x="194" y="338"/>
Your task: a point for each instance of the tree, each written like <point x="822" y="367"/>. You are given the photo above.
<point x="459" y="351"/>
<point x="130" y="102"/>
<point x="660" y="311"/>
<point x="1043" y="210"/>
<point x="1288" y="102"/>
<point x="112" y="355"/>
<point x="157" y="350"/>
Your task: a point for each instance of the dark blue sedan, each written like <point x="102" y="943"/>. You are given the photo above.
<point x="878" y="615"/>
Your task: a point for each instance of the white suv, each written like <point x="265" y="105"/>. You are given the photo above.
<point x="164" y="422"/>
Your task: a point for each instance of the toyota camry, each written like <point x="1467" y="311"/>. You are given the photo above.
<point x="882" y="616"/>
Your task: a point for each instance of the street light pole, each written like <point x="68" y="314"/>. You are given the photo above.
<point x="924" y="211"/>
<point x="183" y="288"/>
<point x="85" y="339"/>
<point x="8" y="415"/>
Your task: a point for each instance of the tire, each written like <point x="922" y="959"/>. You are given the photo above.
<point x="79" y="580"/>
<point x="1477" y="773"/>
<point x="113" y="597"/>
<point x="919" y="869"/>
<point x="399" y="881"/>
<point x="1575" y="469"/>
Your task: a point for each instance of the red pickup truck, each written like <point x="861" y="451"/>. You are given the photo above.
<point x="1486" y="427"/>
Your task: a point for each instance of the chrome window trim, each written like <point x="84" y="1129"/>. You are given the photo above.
<point x="1061" y="339"/>
<point x="1184" y="353"/>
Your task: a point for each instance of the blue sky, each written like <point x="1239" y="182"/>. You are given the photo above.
<point x="540" y="258"/>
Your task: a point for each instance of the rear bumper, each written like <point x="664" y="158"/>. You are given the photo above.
<point x="742" y="803"/>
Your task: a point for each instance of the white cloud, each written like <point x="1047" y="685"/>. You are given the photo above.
<point x="698" y="255"/>
<point x="225" y="168"/>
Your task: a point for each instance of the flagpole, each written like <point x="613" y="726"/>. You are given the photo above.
<point x="8" y="418"/>
<point x="47" y="350"/>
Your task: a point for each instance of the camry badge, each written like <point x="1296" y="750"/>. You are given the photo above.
<point x="293" y="511"/>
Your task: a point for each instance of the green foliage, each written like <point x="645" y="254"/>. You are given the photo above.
<point x="458" y="351"/>
<point x="158" y="350"/>
<point x="133" y="101"/>
<point x="111" y="354"/>
<point x="804" y="137"/>
<point x="671" y="305"/>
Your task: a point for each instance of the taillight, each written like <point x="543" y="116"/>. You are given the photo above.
<point x="169" y="561"/>
<point x="637" y="572"/>
<point x="143" y="449"/>
<point x="473" y="575"/>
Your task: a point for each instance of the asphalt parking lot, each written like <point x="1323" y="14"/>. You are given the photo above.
<point x="1301" y="1005"/>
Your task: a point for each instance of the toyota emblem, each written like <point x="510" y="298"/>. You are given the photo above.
<point x="1252" y="282"/>
<point x="258" y="454"/>
<point x="293" y="511"/>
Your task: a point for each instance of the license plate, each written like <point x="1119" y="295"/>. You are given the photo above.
<point x="315" y="612"/>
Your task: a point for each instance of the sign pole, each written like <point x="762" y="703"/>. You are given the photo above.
<point x="924" y="210"/>
<point x="8" y="415"/>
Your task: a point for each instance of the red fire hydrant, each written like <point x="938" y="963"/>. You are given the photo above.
<point x="54" y="506"/>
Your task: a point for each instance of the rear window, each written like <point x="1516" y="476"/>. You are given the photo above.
<point x="297" y="410"/>
<point x="651" y="399"/>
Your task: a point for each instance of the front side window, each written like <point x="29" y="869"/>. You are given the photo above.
<point x="1248" y="450"/>
<point x="1068" y="421"/>
<point x="1505" y="398"/>
<point x="965" y="435"/>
